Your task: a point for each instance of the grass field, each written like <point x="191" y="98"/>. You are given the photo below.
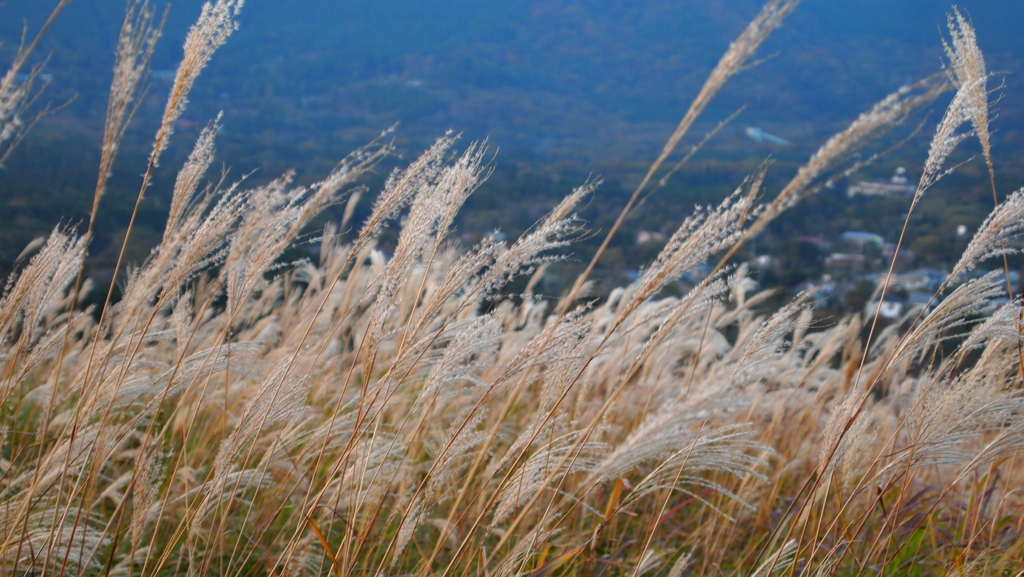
<point x="400" y="414"/>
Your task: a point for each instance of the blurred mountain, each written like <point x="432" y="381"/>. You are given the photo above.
<point x="590" y="80"/>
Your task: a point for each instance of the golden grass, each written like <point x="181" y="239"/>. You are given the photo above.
<point x="397" y="416"/>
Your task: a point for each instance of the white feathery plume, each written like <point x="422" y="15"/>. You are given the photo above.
<point x="945" y="418"/>
<point x="556" y="343"/>
<point x="134" y="52"/>
<point x="886" y="113"/>
<point x="462" y="439"/>
<point x="515" y="563"/>
<point x="279" y="397"/>
<point x="672" y="431"/>
<point x="16" y="92"/>
<point x="726" y="449"/>
<point x="40" y="287"/>
<point x="681" y="565"/>
<point x="559" y="352"/>
<point x="1003" y="324"/>
<point x="222" y="489"/>
<point x="181" y="321"/>
<point x="969" y="72"/>
<point x="407" y="528"/>
<point x="456" y="184"/>
<point x="769" y="342"/>
<point x="461" y="359"/>
<point x="961" y="110"/>
<point x="968" y="302"/>
<point x="530" y="477"/>
<point x="528" y="252"/>
<point x="189" y="176"/>
<point x="275" y="216"/>
<point x="463" y="436"/>
<point x="698" y="237"/>
<point x="458" y="276"/>
<point x="215" y="24"/>
<point x="1003" y="225"/>
<point x="14" y="98"/>
<point x="842" y="444"/>
<point x="570" y="202"/>
<point x="736" y="56"/>
<point x="401" y="187"/>
<point x="439" y="195"/>
<point x="42" y="352"/>
<point x="373" y="463"/>
<point x="145" y="488"/>
<point x="1008" y="442"/>
<point x="72" y="538"/>
<point x="143" y="386"/>
<point x="197" y="243"/>
<point x="669" y="321"/>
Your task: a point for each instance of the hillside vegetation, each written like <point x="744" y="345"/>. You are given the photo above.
<point x="401" y="413"/>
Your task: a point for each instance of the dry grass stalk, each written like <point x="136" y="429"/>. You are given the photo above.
<point x="739" y="52"/>
<point x="367" y="414"/>
<point x="17" y="95"/>
<point x="884" y="115"/>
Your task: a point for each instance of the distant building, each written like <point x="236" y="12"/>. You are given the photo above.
<point x="839" y="261"/>
<point x="909" y="281"/>
<point x="859" y="239"/>
<point x="897" y="185"/>
<point x="891" y="309"/>
<point x="647" y="236"/>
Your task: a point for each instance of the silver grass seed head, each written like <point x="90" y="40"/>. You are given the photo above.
<point x="401" y="187"/>
<point x="705" y="232"/>
<point x="562" y="456"/>
<point x="134" y="52"/>
<point x="145" y="489"/>
<point x="736" y="56"/>
<point x="953" y="315"/>
<point x="40" y="287"/>
<point x="883" y="115"/>
<point x="530" y="251"/>
<point x="778" y="561"/>
<point x="191" y="173"/>
<point x="728" y="449"/>
<point x="278" y="398"/>
<point x="215" y="24"/>
<point x="967" y="69"/>
<point x="1003" y="324"/>
<point x="461" y="439"/>
<point x="961" y="110"/>
<point x="996" y="236"/>
<point x="769" y="341"/>
<point x="460" y="361"/>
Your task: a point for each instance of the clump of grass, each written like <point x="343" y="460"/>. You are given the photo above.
<point x="397" y="416"/>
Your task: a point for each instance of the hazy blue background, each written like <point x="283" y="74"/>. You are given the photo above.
<point x="583" y="80"/>
<point x="564" y="88"/>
